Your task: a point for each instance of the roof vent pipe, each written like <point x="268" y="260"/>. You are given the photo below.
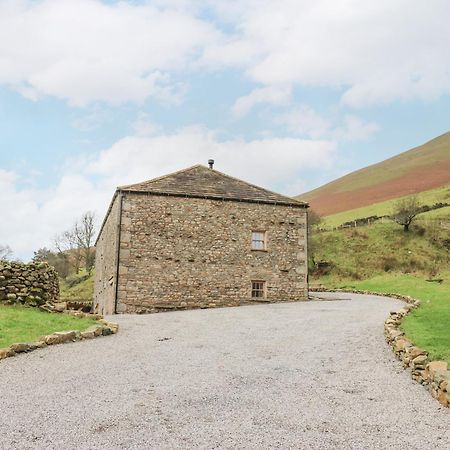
<point x="211" y="163"/>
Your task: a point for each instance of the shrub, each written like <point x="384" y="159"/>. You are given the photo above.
<point x="446" y="243"/>
<point x="419" y="230"/>
<point x="389" y="263"/>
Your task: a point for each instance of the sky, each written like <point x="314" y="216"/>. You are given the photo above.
<point x="286" y="94"/>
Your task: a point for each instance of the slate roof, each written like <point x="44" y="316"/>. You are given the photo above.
<point x="201" y="182"/>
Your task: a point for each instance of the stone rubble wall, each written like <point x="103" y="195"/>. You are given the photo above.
<point x="434" y="375"/>
<point x="106" y="261"/>
<point x="182" y="253"/>
<point x="33" y="284"/>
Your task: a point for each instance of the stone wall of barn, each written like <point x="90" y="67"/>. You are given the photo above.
<point x="31" y="284"/>
<point x="189" y="253"/>
<point x="106" y="262"/>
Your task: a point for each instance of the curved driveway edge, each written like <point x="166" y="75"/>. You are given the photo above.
<point x="307" y="375"/>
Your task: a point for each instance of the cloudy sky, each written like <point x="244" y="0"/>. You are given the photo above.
<point x="287" y="94"/>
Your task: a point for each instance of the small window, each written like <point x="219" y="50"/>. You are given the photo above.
<point x="259" y="240"/>
<point x="258" y="289"/>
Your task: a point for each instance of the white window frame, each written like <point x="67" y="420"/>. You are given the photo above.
<point x="255" y="243"/>
<point x="262" y="289"/>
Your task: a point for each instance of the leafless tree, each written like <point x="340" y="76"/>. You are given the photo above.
<point x="77" y="242"/>
<point x="405" y="211"/>
<point x="84" y="232"/>
<point x="5" y="252"/>
<point x="67" y="247"/>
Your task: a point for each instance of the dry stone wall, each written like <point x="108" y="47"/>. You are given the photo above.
<point x="432" y="374"/>
<point x="179" y="253"/>
<point x="31" y="284"/>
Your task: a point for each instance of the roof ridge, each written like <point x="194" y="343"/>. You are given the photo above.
<point x="257" y="187"/>
<point x="211" y="184"/>
<point x="127" y="186"/>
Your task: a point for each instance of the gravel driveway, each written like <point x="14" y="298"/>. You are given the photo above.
<point x="315" y="375"/>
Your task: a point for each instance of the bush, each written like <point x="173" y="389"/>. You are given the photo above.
<point x="446" y="243"/>
<point x="413" y="265"/>
<point x="389" y="263"/>
<point x="420" y="231"/>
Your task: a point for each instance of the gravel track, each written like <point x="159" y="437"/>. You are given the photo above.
<point x="313" y="375"/>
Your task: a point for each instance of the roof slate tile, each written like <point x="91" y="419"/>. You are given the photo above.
<point x="200" y="181"/>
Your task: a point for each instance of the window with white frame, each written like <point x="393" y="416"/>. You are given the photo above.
<point x="259" y="240"/>
<point x="258" y="289"/>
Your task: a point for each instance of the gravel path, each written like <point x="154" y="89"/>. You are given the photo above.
<point x="315" y="375"/>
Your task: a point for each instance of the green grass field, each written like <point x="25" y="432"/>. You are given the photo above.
<point x="23" y="324"/>
<point x="385" y="208"/>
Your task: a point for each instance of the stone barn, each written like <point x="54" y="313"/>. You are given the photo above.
<point x="198" y="238"/>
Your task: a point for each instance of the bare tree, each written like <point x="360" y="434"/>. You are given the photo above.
<point x="66" y="245"/>
<point x="405" y="211"/>
<point x="5" y="252"/>
<point x="84" y="232"/>
<point x="76" y="244"/>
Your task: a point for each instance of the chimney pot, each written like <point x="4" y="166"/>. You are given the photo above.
<point x="211" y="163"/>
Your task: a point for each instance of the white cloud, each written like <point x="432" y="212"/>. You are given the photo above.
<point x="305" y="121"/>
<point x="144" y="126"/>
<point x="376" y="52"/>
<point x="36" y="215"/>
<point x="271" y="162"/>
<point x="355" y="129"/>
<point x="84" y="51"/>
<point x="274" y="95"/>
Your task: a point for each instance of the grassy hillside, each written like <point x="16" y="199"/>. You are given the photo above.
<point x="364" y="252"/>
<point x="77" y="288"/>
<point x="421" y="169"/>
<point x="385" y="208"/>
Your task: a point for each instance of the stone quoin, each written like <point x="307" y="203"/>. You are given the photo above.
<point x="198" y="238"/>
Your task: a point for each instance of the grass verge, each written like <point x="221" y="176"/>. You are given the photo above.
<point x="24" y="324"/>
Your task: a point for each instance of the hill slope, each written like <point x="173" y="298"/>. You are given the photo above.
<point x="364" y="252"/>
<point x="420" y="169"/>
<point x="439" y="195"/>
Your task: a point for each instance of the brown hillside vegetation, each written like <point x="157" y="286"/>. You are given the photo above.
<point x="420" y="169"/>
